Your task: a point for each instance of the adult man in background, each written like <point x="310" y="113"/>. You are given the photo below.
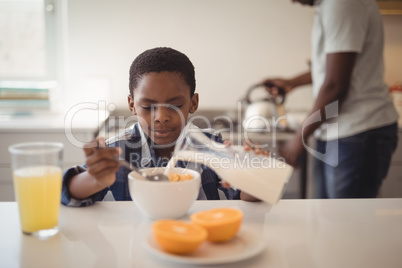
<point x="347" y="74"/>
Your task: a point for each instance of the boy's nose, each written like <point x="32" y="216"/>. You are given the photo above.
<point x="161" y="114"/>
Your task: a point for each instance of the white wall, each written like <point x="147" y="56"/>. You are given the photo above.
<point x="232" y="43"/>
<point x="393" y="48"/>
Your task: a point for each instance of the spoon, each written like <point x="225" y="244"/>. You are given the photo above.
<point x="124" y="163"/>
<point x="155" y="177"/>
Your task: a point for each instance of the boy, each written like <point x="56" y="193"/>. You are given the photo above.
<point x="162" y="94"/>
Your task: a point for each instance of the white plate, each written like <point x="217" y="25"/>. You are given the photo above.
<point x="244" y="245"/>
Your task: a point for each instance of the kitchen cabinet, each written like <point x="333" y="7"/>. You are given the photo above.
<point x="49" y="128"/>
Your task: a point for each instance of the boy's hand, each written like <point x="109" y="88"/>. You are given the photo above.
<point x="247" y="147"/>
<point x="255" y="147"/>
<point x="258" y="151"/>
<point x="101" y="161"/>
<point x="224" y="183"/>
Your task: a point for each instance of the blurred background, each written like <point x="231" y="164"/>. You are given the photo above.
<point x="90" y="44"/>
<point x="64" y="66"/>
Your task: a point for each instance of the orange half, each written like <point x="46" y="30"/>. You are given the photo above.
<point x="177" y="236"/>
<point x="222" y="224"/>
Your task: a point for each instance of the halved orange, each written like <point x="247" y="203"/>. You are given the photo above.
<point x="177" y="236"/>
<point x="222" y="224"/>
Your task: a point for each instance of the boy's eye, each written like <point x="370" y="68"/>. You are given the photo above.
<point x="172" y="106"/>
<point x="175" y="106"/>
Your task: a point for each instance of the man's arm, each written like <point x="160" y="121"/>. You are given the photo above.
<point x="301" y="80"/>
<point x="338" y="73"/>
<point x="339" y="69"/>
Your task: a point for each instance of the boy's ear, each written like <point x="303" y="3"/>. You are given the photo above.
<point x="194" y="103"/>
<point x="131" y="104"/>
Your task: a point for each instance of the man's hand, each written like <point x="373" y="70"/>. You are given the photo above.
<point x="273" y="85"/>
<point x="292" y="150"/>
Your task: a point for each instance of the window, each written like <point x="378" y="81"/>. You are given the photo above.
<point x="31" y="51"/>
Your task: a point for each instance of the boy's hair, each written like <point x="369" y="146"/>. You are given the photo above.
<point x="162" y="59"/>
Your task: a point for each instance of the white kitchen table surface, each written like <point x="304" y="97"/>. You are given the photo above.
<point x="297" y="233"/>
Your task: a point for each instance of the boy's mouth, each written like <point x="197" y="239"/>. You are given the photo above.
<point x="162" y="133"/>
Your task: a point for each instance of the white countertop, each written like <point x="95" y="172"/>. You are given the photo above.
<point x="297" y="233"/>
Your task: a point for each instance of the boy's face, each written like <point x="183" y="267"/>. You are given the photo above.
<point x="162" y="103"/>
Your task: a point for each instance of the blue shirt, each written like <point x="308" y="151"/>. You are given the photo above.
<point x="137" y="148"/>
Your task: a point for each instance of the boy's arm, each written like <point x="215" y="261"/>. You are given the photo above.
<point x="83" y="185"/>
<point x="101" y="171"/>
<point x="243" y="195"/>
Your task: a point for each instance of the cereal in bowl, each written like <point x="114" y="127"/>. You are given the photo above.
<point x="174" y="177"/>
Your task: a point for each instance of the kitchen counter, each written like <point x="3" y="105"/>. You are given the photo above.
<point x="311" y="233"/>
<point x="76" y="120"/>
<point x="73" y="129"/>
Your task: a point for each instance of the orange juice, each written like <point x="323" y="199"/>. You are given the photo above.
<point x="38" y="191"/>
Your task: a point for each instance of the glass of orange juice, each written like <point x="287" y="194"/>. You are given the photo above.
<point x="37" y="177"/>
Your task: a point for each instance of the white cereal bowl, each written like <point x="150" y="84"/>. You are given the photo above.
<point x="164" y="200"/>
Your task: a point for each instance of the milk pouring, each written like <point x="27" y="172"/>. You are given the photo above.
<point x="261" y="176"/>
